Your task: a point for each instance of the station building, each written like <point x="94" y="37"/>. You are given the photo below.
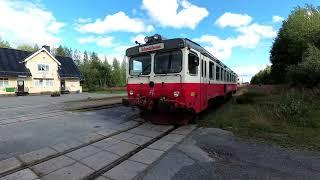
<point x="23" y="72"/>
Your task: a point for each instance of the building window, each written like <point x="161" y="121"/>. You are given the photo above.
<point x="4" y="82"/>
<point x="43" y="67"/>
<point x="43" y="83"/>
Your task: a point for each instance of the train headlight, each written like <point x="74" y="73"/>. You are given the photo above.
<point x="176" y="94"/>
<point x="131" y="93"/>
<point x="156" y="37"/>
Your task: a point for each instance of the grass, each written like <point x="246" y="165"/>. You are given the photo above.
<point x="289" y="118"/>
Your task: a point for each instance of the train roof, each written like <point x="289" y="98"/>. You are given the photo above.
<point x="176" y="43"/>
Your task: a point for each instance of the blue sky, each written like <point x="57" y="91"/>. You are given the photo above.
<point x="240" y="32"/>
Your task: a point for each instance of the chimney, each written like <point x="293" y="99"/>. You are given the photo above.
<point x="47" y="48"/>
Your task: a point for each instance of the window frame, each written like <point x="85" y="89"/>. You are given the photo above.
<point x="218" y="72"/>
<point x="212" y="70"/>
<point x="171" y="51"/>
<point x="205" y="68"/>
<point x="131" y="64"/>
<point x="43" y="68"/>
<point x="4" y="82"/>
<point x="197" y="67"/>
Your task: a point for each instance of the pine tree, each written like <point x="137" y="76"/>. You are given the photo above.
<point x="4" y="44"/>
<point x="85" y="57"/>
<point x="60" y="51"/>
<point x="116" y="72"/>
<point x="123" y="73"/>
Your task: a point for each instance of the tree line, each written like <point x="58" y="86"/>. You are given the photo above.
<point x="98" y="73"/>
<point x="295" y="53"/>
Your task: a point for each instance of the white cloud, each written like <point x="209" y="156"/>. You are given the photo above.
<point x="175" y="13"/>
<point x="245" y="73"/>
<point x="25" y="22"/>
<point x="99" y="41"/>
<point x="139" y="38"/>
<point x="233" y="20"/>
<point x="84" y="20"/>
<point x="277" y="19"/>
<point x="262" y="30"/>
<point x="249" y="36"/>
<point x="115" y="23"/>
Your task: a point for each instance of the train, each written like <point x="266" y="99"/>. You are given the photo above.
<point x="175" y="75"/>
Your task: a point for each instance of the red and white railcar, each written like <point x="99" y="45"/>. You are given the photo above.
<point x="175" y="75"/>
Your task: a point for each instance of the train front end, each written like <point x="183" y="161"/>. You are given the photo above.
<point x="156" y="75"/>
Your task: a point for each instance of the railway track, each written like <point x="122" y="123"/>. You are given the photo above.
<point x="115" y="146"/>
<point x="54" y="113"/>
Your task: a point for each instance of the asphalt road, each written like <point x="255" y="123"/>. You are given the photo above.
<point x="217" y="154"/>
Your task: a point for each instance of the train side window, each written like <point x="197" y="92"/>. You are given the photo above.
<point x="193" y="63"/>
<point x="222" y="74"/>
<point x="211" y="70"/>
<point x="217" y="72"/>
<point x="202" y="68"/>
<point x="205" y="68"/>
<point x="225" y="75"/>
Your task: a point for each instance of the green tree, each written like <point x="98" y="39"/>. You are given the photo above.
<point x="68" y="52"/>
<point x="262" y="77"/>
<point x="300" y="29"/>
<point x="107" y="72"/>
<point x="116" y="73"/>
<point x="85" y="57"/>
<point x="76" y="57"/>
<point x="307" y="72"/>
<point x="26" y="47"/>
<point x="4" y="44"/>
<point x="123" y="73"/>
<point x="60" y="51"/>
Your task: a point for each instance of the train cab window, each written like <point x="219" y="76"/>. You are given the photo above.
<point x="168" y="62"/>
<point x="193" y="63"/>
<point x="217" y="72"/>
<point x="140" y="65"/>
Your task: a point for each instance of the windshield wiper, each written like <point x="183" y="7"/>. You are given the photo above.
<point x="142" y="72"/>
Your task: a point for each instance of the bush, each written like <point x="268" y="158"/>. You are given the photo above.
<point x="294" y="108"/>
<point x="248" y="97"/>
<point x="244" y="99"/>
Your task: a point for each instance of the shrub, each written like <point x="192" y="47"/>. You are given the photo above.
<point x="244" y="99"/>
<point x="294" y="108"/>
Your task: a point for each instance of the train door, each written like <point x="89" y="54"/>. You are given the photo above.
<point x="204" y="83"/>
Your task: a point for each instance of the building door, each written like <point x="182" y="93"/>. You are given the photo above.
<point x="63" y="85"/>
<point x="20" y="84"/>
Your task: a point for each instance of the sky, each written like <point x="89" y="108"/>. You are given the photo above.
<point x="238" y="32"/>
